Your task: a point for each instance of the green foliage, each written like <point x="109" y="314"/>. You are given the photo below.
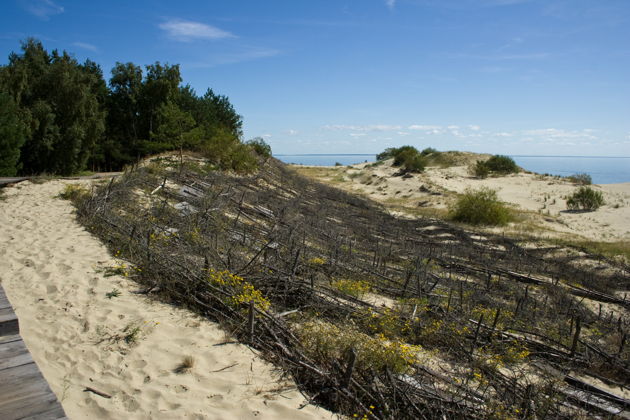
<point x="410" y="160"/>
<point x="480" y="207"/>
<point x="60" y="117"/>
<point x="355" y="288"/>
<point x="176" y="129"/>
<point x="58" y="101"/>
<point x="260" y="146"/>
<point x="429" y="151"/>
<point x="497" y="164"/>
<point x="114" y="293"/>
<point x="480" y="169"/>
<point x="325" y="341"/>
<point x="12" y="137"/>
<point x="580" y="179"/>
<point x="407" y="157"/>
<point x="386" y="154"/>
<point x="73" y="192"/>
<point x="502" y="165"/>
<point x="585" y="198"/>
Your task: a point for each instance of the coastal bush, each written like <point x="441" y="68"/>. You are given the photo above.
<point x="73" y="192"/>
<point x="260" y="146"/>
<point x="580" y="179"/>
<point x="240" y="291"/>
<point x="480" y="169"/>
<point x="407" y="157"/>
<point x="356" y="288"/>
<point x="502" y="165"/>
<point x="480" y="207"/>
<point x="429" y="151"/>
<point x="325" y="341"/>
<point x="585" y="198"/>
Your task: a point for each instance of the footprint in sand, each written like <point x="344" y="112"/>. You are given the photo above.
<point x="64" y="268"/>
<point x="28" y="262"/>
<point x="130" y="403"/>
<point x="138" y="364"/>
<point x="180" y="389"/>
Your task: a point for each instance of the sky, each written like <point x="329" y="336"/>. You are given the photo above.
<point x="520" y="77"/>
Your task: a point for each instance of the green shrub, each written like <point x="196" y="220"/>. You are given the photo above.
<point x="393" y="152"/>
<point x="260" y="146"/>
<point x="580" y="179"/>
<point x="585" y="198"/>
<point x="480" y="207"/>
<point x="240" y="159"/>
<point x="73" y="192"/>
<point x="429" y="151"/>
<point x="502" y="165"/>
<point x="480" y="169"/>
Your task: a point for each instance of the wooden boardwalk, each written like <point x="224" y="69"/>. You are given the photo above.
<point x="24" y="393"/>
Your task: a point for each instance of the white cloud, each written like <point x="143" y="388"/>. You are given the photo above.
<point x="429" y="129"/>
<point x="291" y="132"/>
<point x="358" y="134"/>
<point x="371" y="127"/>
<point x="422" y="127"/>
<point x="85" y="46"/>
<point x="474" y="127"/>
<point x="558" y="133"/>
<point x="43" y="9"/>
<point x="390" y="3"/>
<point x="266" y="136"/>
<point x="185" y="30"/>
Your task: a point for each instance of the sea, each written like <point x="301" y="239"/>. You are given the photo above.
<point x="603" y="170"/>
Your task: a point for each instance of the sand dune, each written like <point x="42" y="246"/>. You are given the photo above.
<point x="542" y="198"/>
<point x="126" y="346"/>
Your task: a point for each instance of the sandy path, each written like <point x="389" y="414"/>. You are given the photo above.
<point x="51" y="269"/>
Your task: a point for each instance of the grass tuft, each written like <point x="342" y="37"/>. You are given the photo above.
<point x="186" y="365"/>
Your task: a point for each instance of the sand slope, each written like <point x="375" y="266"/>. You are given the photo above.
<point x="52" y="271"/>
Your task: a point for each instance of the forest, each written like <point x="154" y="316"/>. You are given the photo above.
<point x="59" y="116"/>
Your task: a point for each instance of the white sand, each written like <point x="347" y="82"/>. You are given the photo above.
<point x="49" y="267"/>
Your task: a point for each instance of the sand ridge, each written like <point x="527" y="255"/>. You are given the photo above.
<point x="53" y="272"/>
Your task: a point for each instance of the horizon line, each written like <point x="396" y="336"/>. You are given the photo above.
<point x="374" y="154"/>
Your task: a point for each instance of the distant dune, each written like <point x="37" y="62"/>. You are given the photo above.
<point x="539" y="199"/>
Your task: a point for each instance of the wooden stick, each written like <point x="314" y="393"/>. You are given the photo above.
<point x="576" y="337"/>
<point x="250" y="321"/>
<point x="347" y="377"/>
<point x="97" y="392"/>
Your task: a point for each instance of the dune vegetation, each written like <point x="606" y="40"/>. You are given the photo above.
<point x="374" y="316"/>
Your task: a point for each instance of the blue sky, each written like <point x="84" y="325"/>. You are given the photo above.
<point x="542" y="77"/>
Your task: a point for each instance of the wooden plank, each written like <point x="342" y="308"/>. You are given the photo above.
<point x="8" y="322"/>
<point x="9" y="338"/>
<point x="14" y="354"/>
<point x="4" y="301"/>
<point x="24" y="393"/>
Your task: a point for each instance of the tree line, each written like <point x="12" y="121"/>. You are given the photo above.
<point x="60" y="116"/>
